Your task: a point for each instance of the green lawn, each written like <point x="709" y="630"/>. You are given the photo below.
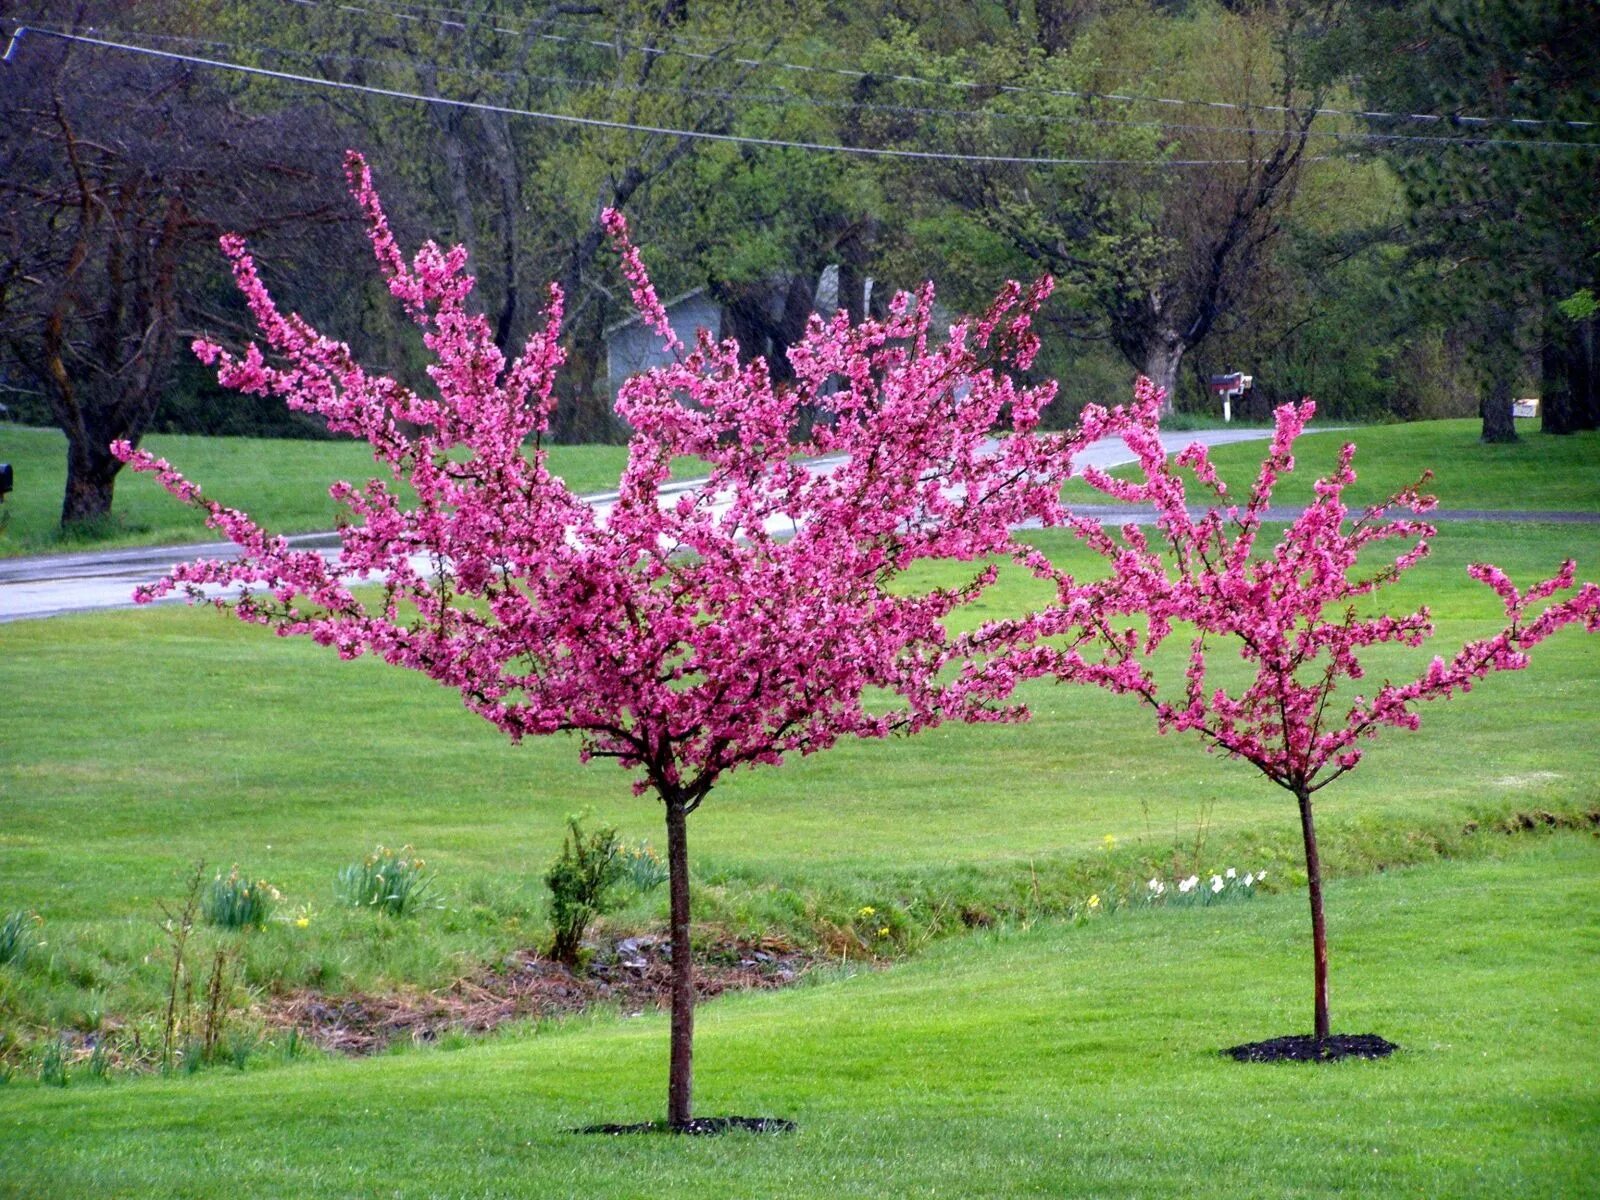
<point x="282" y="483"/>
<point x="1054" y="1061"/>
<point x="1537" y="473"/>
<point x="195" y="737"/>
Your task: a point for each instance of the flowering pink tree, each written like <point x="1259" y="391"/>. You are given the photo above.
<point x="1298" y="615"/>
<point x="684" y="636"/>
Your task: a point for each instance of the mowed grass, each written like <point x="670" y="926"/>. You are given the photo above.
<point x="143" y="741"/>
<point x="281" y="482"/>
<point x="1539" y="473"/>
<point x="1055" y="1061"/>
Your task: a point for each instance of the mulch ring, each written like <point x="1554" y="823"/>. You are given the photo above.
<point x="633" y="974"/>
<point x="698" y="1127"/>
<point x="1305" y="1048"/>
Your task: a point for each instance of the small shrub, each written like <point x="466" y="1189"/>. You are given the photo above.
<point x="391" y="881"/>
<point x="582" y="880"/>
<point x="17" y="936"/>
<point x="234" y="902"/>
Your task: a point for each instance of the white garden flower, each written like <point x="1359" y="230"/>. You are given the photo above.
<point x="1189" y="884"/>
<point x="1232" y="874"/>
<point x="1216" y="884"/>
<point x="1249" y="880"/>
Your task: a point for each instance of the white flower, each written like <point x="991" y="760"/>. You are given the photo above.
<point x="1188" y="885"/>
<point x="1157" y="886"/>
<point x="1232" y="874"/>
<point x="1260" y="875"/>
<point x="1216" y="884"/>
<point x="1249" y="880"/>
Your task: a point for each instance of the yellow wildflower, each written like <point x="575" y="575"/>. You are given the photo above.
<point x="1094" y="901"/>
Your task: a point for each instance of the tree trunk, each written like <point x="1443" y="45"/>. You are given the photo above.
<point x="1555" y="388"/>
<point x="91" y="476"/>
<point x="1319" y="930"/>
<point x="680" y="1074"/>
<point x="1495" y="407"/>
<point x="1499" y="357"/>
<point x="1161" y="362"/>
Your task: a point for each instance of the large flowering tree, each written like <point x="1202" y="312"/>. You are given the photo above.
<point x="685" y="635"/>
<point x="1300" y="616"/>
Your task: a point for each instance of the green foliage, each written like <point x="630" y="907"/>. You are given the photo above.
<point x="643" y="870"/>
<point x="233" y="901"/>
<point x="17" y="936"/>
<point x="391" y="881"/>
<point x="53" y="1064"/>
<point x="582" y="881"/>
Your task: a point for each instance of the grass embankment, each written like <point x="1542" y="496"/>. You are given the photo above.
<point x="151" y="739"/>
<point x="1050" y="1062"/>
<point x="1539" y="473"/>
<point x="282" y="483"/>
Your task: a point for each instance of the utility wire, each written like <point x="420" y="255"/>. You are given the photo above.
<point x="599" y="123"/>
<point x="923" y="81"/>
<point x="789" y="98"/>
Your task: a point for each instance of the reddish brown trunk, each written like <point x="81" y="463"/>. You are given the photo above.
<point x="680" y="1074"/>
<point x="1319" y="930"/>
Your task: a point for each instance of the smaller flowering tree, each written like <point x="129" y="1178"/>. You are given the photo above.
<point x="1300" y="616"/>
<point x="686" y="635"/>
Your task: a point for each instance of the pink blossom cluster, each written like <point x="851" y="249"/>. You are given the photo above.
<point x="1296" y="615"/>
<point x="727" y="626"/>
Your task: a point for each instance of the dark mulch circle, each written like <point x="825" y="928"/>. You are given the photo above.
<point x="1305" y="1048"/>
<point x="699" y="1127"/>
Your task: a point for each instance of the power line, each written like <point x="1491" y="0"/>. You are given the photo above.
<point x="856" y="73"/>
<point x="784" y="97"/>
<point x="625" y="126"/>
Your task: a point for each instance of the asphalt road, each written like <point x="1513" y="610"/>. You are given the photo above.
<point x="49" y="585"/>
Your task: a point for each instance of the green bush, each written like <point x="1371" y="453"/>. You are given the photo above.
<point x="235" y="902"/>
<point x="582" y="882"/>
<point x="391" y="881"/>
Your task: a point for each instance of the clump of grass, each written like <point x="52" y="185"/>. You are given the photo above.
<point x="391" y="881"/>
<point x="233" y="901"/>
<point x="642" y="868"/>
<point x="53" y="1064"/>
<point x="17" y="936"/>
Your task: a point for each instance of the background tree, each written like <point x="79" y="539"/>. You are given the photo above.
<point x="748" y="619"/>
<point x="110" y="178"/>
<point x="1301" y="616"/>
<point x="1150" y="258"/>
<point x="1502" y="214"/>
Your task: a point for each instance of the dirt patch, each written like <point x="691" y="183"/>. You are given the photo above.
<point x="1305" y="1048"/>
<point x="633" y="975"/>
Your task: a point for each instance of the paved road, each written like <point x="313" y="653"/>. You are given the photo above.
<point x="49" y="585"/>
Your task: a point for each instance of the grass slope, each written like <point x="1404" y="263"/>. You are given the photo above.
<point x="283" y="483"/>
<point x="1537" y="473"/>
<point x="150" y="739"/>
<point x="1053" y="1062"/>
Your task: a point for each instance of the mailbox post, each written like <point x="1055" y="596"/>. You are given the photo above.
<point x="1229" y="386"/>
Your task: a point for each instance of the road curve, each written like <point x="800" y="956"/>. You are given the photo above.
<point x="53" y="584"/>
